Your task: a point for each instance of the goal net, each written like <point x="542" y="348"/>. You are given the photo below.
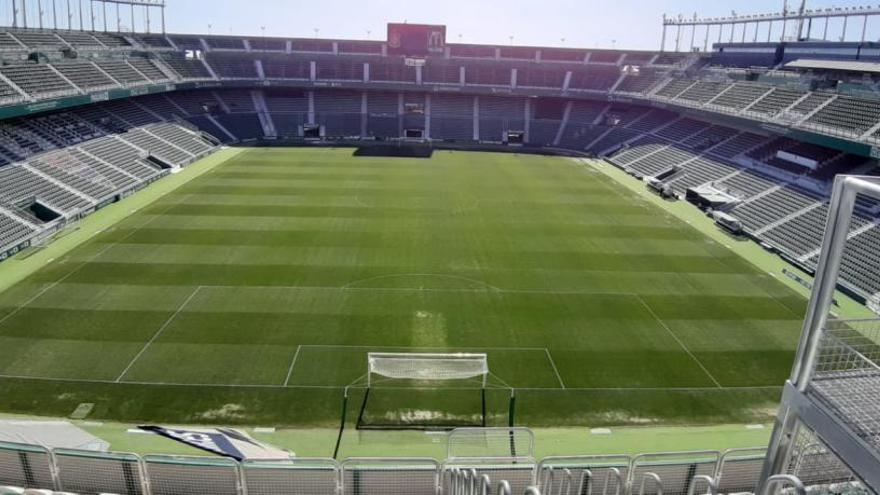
<point x="427" y="367"/>
<point x="426" y="391"/>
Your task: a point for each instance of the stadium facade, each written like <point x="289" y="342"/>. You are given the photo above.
<point x="756" y="131"/>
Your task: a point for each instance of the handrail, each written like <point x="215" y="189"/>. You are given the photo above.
<point x="652" y="477"/>
<point x="711" y="482"/>
<point x="562" y="479"/>
<point x="779" y="479"/>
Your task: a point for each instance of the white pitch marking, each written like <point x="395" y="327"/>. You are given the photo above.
<point x="292" y="363"/>
<point x="80" y="267"/>
<point x="158" y="333"/>
<point x="340" y="387"/>
<point x="680" y="343"/>
<point x="573" y="292"/>
<point x="555" y="370"/>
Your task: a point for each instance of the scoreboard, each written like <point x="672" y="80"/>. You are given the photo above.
<point x="416" y="39"/>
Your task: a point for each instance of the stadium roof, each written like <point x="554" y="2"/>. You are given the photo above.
<point x="841" y="65"/>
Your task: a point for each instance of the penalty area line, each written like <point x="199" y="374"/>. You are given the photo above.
<point x="292" y="364"/>
<point x="555" y="369"/>
<point x="157" y="334"/>
<point x="341" y="387"/>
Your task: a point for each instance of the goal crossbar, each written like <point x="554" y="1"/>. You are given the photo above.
<point x="427" y="366"/>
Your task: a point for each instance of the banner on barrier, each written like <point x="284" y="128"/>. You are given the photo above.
<point x="221" y="441"/>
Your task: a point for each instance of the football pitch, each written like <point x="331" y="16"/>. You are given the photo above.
<point x="252" y="294"/>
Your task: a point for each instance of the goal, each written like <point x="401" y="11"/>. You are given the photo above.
<point x="428" y="391"/>
<point x="420" y="391"/>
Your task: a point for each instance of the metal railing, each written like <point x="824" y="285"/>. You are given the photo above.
<point x="76" y="471"/>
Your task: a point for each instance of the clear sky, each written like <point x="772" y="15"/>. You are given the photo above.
<point x="582" y="23"/>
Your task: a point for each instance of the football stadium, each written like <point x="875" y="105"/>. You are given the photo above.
<point x="258" y="265"/>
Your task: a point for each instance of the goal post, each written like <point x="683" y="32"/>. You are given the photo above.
<point x="427" y="367"/>
<point x="429" y="391"/>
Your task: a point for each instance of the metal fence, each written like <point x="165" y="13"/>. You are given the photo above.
<point x="292" y="476"/>
<point x="682" y="473"/>
<point x="670" y="473"/>
<point x="595" y="475"/>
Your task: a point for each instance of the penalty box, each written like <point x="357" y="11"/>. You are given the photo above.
<point x="342" y="365"/>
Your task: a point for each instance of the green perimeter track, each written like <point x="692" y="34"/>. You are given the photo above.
<point x="251" y="294"/>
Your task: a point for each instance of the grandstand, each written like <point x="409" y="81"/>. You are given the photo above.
<point x="502" y="254"/>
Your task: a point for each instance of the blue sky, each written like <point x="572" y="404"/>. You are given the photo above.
<point x="582" y="23"/>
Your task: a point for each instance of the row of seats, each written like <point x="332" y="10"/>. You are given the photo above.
<point x="788" y="218"/>
<point x="67" y="78"/>
<point x="561" y="55"/>
<point x="70" y="162"/>
<point x="35" y="39"/>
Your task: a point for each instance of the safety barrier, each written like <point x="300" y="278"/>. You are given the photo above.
<point x="679" y="473"/>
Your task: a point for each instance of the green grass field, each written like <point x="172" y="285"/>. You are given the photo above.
<point x="251" y="295"/>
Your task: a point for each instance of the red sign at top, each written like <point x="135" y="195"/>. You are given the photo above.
<point x="416" y="39"/>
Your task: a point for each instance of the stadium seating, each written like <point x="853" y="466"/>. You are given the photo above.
<point x="861" y="252"/>
<point x="702" y="170"/>
<point x="339" y="112"/>
<point x="122" y="71"/>
<point x="596" y="78"/>
<point x="702" y="91"/>
<point x="776" y="101"/>
<point x="746" y="184"/>
<point x="674" y="88"/>
<point x="487" y="74"/>
<point x="188" y="69"/>
<point x="154" y="41"/>
<point x="441" y="73"/>
<point x="452" y="118"/>
<point x="848" y="114"/>
<point x="224" y="43"/>
<point x="114" y="151"/>
<point x="38" y="39"/>
<point x="807" y="105"/>
<point x="268" y="44"/>
<point x="741" y="143"/>
<point x="740" y="96"/>
<point x="85" y="76"/>
<point x="383" y="118"/>
<point x="681" y="129"/>
<point x="392" y="71"/>
<point x="148" y="68"/>
<point x="497" y="116"/>
<point x="283" y="68"/>
<point x="333" y="70"/>
<point x="773" y="207"/>
<point x="360" y="47"/>
<point x="651" y="120"/>
<point x="540" y="77"/>
<point x="472" y="51"/>
<point x="639" y="83"/>
<point x="37" y="80"/>
<point x="233" y="67"/>
<point x="66" y="161"/>
<point x="13" y="229"/>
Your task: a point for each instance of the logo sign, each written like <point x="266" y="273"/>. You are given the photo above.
<point x="416" y="39"/>
<point x="221" y="441"/>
